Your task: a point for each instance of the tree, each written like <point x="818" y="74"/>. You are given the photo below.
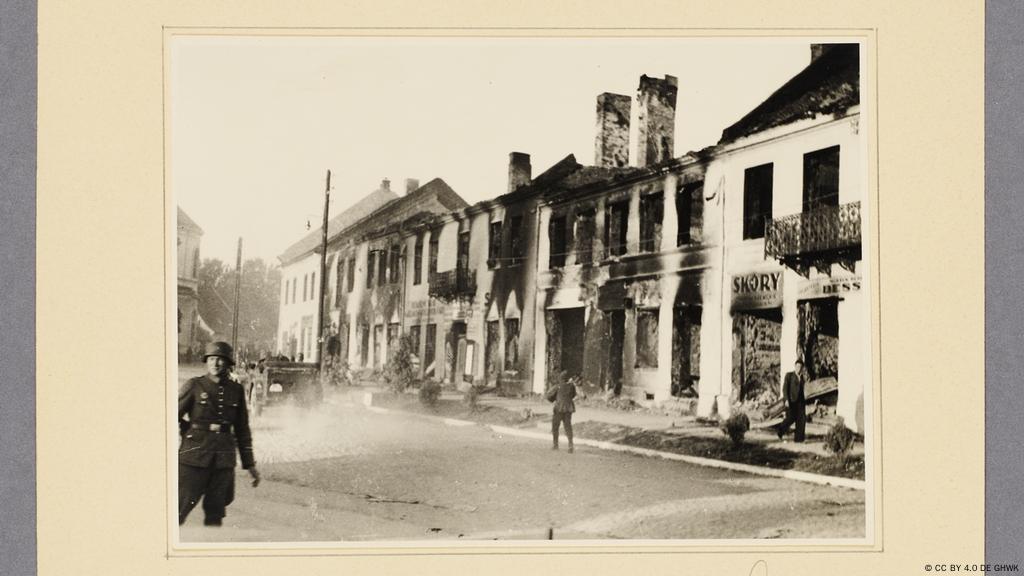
<point x="258" y="302"/>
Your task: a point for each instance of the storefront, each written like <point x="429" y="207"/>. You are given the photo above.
<point x="756" y="308"/>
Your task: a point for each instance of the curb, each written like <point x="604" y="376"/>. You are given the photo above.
<point x="807" y="477"/>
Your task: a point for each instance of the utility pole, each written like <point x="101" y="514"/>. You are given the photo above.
<point x="322" y="329"/>
<point x="238" y="290"/>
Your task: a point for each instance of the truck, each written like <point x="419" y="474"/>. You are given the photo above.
<point x="276" y="381"/>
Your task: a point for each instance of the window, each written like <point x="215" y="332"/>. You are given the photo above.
<point x="428" y="350"/>
<point x="559" y="243"/>
<point x="382" y="270"/>
<point x="515" y="239"/>
<point x="414" y="340"/>
<point x="371" y="258"/>
<point x="511" y="343"/>
<point x="615" y="228"/>
<point x="393" y="264"/>
<point x="350" y="279"/>
<point x="364" y="350"/>
<point x="651" y="215"/>
<point x="417" y="272"/>
<point x="685" y="199"/>
<point x="821" y="179"/>
<point x="432" y="261"/>
<point x="378" y="335"/>
<point x="195" y="263"/>
<point x="305" y="286"/>
<point x="757" y="200"/>
<point x="585" y="237"/>
<point x="494" y="244"/>
<point x="647" y="338"/>
<point x="463" y="254"/>
<point x="312" y="286"/>
<point x="295" y="287"/>
<point x="339" y="276"/>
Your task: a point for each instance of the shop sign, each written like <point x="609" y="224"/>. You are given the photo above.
<point x="757" y="290"/>
<point x="830" y="286"/>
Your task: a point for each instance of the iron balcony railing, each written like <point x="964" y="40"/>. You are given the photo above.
<point x="824" y="231"/>
<point x="452" y="284"/>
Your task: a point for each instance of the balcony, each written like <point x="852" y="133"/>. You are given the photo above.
<point x="818" y="238"/>
<point x="453" y="285"/>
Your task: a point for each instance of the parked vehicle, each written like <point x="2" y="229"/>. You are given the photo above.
<point x="276" y="381"/>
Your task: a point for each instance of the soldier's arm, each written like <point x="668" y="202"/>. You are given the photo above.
<point x="243" y="435"/>
<point x="185" y="398"/>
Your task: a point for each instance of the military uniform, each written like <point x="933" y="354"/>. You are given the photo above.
<point x="218" y="424"/>
<point x="562" y="395"/>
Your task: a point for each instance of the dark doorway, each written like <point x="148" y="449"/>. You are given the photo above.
<point x="756" y="365"/>
<point x="457" y="332"/>
<point x="617" y="319"/>
<point x="565" y="342"/>
<point x="818" y="337"/>
<point x="685" y="350"/>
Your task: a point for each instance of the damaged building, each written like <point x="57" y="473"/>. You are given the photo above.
<point x="699" y="276"/>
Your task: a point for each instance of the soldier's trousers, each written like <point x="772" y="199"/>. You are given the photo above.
<point x="215" y="486"/>
<point x="561" y="418"/>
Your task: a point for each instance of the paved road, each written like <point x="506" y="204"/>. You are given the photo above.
<point x="345" y="473"/>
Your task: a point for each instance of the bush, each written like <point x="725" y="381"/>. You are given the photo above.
<point x="398" y="372"/>
<point x="839" y="439"/>
<point x="430" y="392"/>
<point x="736" y="427"/>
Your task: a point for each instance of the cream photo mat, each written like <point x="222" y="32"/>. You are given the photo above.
<point x="101" y="208"/>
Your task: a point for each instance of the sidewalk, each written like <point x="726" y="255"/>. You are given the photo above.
<point x="641" y="430"/>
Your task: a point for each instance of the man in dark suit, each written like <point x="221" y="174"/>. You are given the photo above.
<point x="217" y="425"/>
<point x="562" y="395"/>
<point x="793" y="395"/>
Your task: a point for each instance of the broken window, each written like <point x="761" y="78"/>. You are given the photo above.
<point x="393" y="255"/>
<point x="432" y="261"/>
<point x="382" y="269"/>
<point x="558" y="242"/>
<point x="651" y="215"/>
<point x="492" y="362"/>
<point x="312" y="286"/>
<point x="647" y="338"/>
<point x="305" y="286"/>
<point x="757" y="200"/>
<point x="417" y="272"/>
<point x="351" y="277"/>
<point x="338" y="279"/>
<point x="371" y="258"/>
<point x="515" y="240"/>
<point x="615" y="227"/>
<point x="494" y="244"/>
<point x="821" y="179"/>
<point x="364" y="341"/>
<point x="428" y="350"/>
<point x="462" y="260"/>
<point x="585" y="223"/>
<point x="511" y="343"/>
<point x="689" y="199"/>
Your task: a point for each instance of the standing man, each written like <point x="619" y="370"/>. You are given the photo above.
<point x="562" y="395"/>
<point x="793" y="395"/>
<point x="217" y="425"/>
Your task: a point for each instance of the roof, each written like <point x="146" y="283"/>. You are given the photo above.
<point x="310" y="242"/>
<point x="410" y="205"/>
<point x="186" y="223"/>
<point x="828" y="85"/>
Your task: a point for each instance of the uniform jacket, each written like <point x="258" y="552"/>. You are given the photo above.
<point x="793" y="388"/>
<point x="562" y="396"/>
<point x="208" y="401"/>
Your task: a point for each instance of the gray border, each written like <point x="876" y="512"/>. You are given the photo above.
<point x="17" y="286"/>
<point x="1004" y="267"/>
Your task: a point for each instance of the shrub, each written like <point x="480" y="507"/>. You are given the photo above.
<point x="430" y="392"/>
<point x="736" y="427"/>
<point x="839" y="439"/>
<point x="398" y="372"/>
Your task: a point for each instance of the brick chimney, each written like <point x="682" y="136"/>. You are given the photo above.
<point x="519" y="170"/>
<point x="656" y="100"/>
<point x="385" y="184"/>
<point x="611" y="145"/>
<point x="411" y="184"/>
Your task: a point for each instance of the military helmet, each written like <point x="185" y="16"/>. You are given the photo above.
<point x="222" y="349"/>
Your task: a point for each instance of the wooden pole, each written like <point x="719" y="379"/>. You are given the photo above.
<point x="322" y="328"/>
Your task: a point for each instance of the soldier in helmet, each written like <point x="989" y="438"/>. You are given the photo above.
<point x="217" y="425"/>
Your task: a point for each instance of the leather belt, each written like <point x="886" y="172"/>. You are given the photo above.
<point x="212" y="427"/>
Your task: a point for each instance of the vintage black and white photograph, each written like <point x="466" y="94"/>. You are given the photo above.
<point x="451" y="290"/>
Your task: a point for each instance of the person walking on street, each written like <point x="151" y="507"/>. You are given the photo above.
<point x="217" y="425"/>
<point x="562" y="395"/>
<point x="793" y="395"/>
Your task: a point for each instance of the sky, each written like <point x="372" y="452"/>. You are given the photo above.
<point x="255" y="122"/>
